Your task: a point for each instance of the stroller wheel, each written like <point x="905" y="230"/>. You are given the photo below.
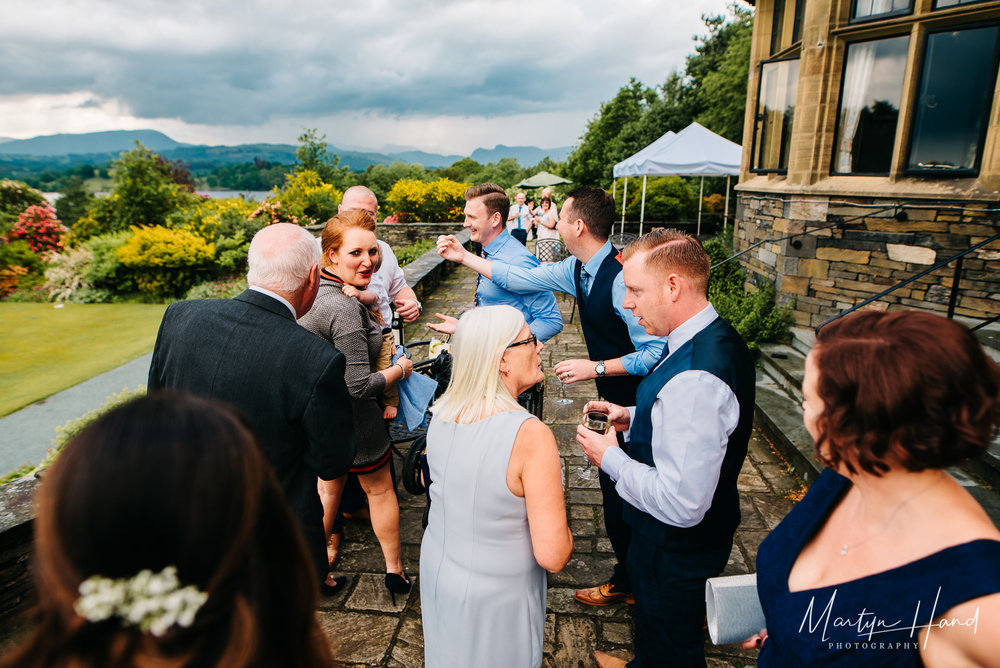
<point x="411" y="466"/>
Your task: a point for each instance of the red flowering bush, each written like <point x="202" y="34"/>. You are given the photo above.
<point x="39" y="226"/>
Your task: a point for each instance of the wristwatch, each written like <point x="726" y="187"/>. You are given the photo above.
<point x="599" y="369"/>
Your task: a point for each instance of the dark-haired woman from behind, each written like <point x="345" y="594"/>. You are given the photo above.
<point x="163" y="539"/>
<point x="888" y="561"/>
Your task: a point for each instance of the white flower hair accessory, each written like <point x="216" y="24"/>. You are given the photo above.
<point x="151" y="601"/>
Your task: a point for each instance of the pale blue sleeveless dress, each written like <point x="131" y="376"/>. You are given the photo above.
<point x="482" y="594"/>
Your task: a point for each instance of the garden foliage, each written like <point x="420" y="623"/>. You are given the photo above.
<point x="15" y="197"/>
<point x="164" y="262"/>
<point x="305" y="199"/>
<point x="419" y="201"/>
<point x="667" y="198"/>
<point x="753" y="313"/>
<point x="39" y="227"/>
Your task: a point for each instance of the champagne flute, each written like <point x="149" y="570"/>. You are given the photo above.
<point x="563" y="400"/>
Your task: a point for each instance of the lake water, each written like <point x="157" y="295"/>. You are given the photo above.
<point x="249" y="195"/>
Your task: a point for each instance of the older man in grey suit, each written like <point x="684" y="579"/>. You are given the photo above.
<point x="288" y="383"/>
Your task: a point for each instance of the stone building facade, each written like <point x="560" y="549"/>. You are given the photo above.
<point x="873" y="127"/>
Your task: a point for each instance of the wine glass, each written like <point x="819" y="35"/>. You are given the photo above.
<point x="594" y="421"/>
<point x="563" y="400"/>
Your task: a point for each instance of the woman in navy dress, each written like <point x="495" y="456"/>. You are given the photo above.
<point x="888" y="561"/>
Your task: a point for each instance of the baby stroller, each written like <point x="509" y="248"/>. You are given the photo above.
<point x="414" y="463"/>
<point x="416" y="473"/>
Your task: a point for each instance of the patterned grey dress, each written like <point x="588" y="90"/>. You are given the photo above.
<point x="347" y="324"/>
<point x="482" y="594"/>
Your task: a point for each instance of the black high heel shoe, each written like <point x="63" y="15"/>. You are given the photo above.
<point x="396" y="584"/>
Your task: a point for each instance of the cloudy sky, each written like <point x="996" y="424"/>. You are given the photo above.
<point x="443" y="76"/>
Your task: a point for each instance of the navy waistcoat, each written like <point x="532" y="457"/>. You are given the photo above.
<point x="605" y="333"/>
<point x="718" y="350"/>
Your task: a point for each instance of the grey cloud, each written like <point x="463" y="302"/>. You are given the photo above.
<point x="245" y="63"/>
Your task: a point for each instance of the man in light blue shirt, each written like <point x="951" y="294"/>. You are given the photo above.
<point x="486" y="209"/>
<point x="519" y="219"/>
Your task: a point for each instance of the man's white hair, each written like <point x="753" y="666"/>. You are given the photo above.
<point x="281" y="257"/>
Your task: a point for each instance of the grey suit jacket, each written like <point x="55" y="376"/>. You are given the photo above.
<point x="287" y="382"/>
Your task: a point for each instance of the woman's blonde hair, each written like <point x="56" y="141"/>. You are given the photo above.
<point x="476" y="390"/>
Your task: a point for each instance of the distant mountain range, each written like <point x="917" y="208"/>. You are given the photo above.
<point x="100" y="147"/>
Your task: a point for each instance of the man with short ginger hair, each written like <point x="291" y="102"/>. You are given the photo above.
<point x="687" y="439"/>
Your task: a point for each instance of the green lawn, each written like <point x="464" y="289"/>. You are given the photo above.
<point x="44" y="349"/>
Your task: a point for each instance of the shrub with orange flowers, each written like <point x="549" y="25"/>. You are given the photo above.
<point x="39" y="226"/>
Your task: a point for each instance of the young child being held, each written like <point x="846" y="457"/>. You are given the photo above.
<point x="370" y="298"/>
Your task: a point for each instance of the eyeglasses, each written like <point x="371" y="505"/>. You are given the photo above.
<point x="531" y="339"/>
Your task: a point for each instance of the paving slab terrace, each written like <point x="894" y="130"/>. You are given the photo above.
<point x="366" y="628"/>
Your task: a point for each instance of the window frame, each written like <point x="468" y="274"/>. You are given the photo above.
<point x="853" y="20"/>
<point x="972" y="172"/>
<point x="840" y="106"/>
<point x="756" y="116"/>
<point x="935" y="8"/>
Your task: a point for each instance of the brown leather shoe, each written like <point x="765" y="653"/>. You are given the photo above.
<point x="602" y="596"/>
<point x="605" y="660"/>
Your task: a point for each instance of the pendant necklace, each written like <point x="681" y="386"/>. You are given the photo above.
<point x="847" y="545"/>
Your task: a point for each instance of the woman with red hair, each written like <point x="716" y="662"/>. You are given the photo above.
<point x="888" y="560"/>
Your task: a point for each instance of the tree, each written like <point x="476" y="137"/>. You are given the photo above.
<point x="313" y="155"/>
<point x="712" y="90"/>
<point x="74" y="203"/>
<point x="719" y="74"/>
<point x="144" y="192"/>
<point x="591" y="162"/>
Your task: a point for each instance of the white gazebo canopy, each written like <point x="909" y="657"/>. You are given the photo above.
<point x="694" y="151"/>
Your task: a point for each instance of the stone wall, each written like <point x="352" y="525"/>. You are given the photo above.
<point x="868" y="246"/>
<point x="16" y="519"/>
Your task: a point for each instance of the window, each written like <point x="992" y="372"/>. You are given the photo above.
<point x="775" y="110"/>
<point x="866" y="10"/>
<point x="786" y="26"/>
<point x="953" y="102"/>
<point x="869" y="106"/>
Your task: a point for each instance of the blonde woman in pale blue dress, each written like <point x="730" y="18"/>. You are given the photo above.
<point x="497" y="519"/>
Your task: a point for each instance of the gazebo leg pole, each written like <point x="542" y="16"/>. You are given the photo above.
<point x="701" y="199"/>
<point x="642" y="210"/>
<point x="725" y="213"/>
<point x="624" y="197"/>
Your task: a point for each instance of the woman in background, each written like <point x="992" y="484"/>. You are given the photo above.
<point x="545" y="220"/>
<point x="163" y="539"/>
<point x="497" y="518"/>
<point x="350" y="252"/>
<point x="888" y="561"/>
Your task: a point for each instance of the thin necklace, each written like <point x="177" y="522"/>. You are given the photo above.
<point x="847" y="545"/>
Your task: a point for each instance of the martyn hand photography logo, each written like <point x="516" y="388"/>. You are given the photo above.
<point x="869" y="626"/>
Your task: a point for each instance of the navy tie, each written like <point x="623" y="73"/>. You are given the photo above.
<point x="479" y="277"/>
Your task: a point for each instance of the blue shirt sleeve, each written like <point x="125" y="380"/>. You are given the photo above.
<point x="525" y="280"/>
<point x="538" y="307"/>
<point x="648" y="348"/>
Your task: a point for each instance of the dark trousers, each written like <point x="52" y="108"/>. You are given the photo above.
<point x="619" y="532"/>
<point x="669" y="613"/>
<point x="520" y="235"/>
